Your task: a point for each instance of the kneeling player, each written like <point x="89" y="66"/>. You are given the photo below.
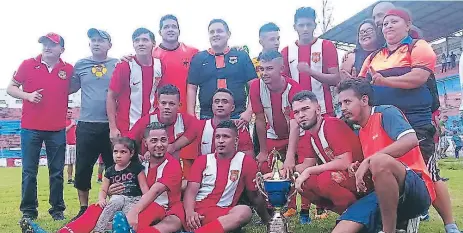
<point x="327" y="184"/>
<point x="215" y="184"/>
<point x="403" y="186"/>
<point x="160" y="204"/>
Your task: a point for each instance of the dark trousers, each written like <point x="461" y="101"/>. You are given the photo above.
<point x="92" y="139"/>
<point x="31" y="144"/>
<point x="457" y="150"/>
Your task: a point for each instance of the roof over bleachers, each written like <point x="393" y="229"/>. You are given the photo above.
<point x="437" y="19"/>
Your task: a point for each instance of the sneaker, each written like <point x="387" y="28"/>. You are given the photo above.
<point x="70" y="181"/>
<point x="99" y="181"/>
<point x="28" y="226"/>
<point x="120" y="224"/>
<point x="304" y="218"/>
<point x="425" y="217"/>
<point x="58" y="216"/>
<point x="290" y="212"/>
<point x="445" y="179"/>
<point x="81" y="211"/>
<point x="321" y="214"/>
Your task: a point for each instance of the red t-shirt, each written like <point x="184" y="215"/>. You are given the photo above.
<point x="50" y="113"/>
<point x="135" y="98"/>
<point x="170" y="175"/>
<point x="329" y="60"/>
<point x="176" y="63"/>
<point x="223" y="174"/>
<point x="330" y="145"/>
<point x="71" y="134"/>
<point x="244" y="138"/>
<point x="258" y="102"/>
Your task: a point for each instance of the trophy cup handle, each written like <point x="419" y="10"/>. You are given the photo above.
<point x="260" y="184"/>
<point x="295" y="175"/>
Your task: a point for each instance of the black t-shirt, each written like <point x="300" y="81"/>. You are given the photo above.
<point x="209" y="73"/>
<point x="128" y="177"/>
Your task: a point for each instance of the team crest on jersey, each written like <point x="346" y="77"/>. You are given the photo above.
<point x="99" y="70"/>
<point x="185" y="62"/>
<point x="62" y="74"/>
<point x="233" y="60"/>
<point x="234" y="174"/>
<point x="329" y="152"/>
<point x="316" y="57"/>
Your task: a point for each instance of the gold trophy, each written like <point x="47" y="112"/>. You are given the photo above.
<point x="276" y="191"/>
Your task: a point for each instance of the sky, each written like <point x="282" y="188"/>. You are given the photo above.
<point x="24" y="21"/>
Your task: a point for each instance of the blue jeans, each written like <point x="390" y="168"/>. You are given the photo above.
<point x="31" y="144"/>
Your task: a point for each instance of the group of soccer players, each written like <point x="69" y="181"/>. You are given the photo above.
<point x="199" y="169"/>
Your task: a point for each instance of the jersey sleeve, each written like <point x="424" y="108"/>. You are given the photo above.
<point x="118" y="79"/>
<point x="249" y="69"/>
<point x="138" y="129"/>
<point x="284" y="54"/>
<point x="194" y="74"/>
<point x="245" y="142"/>
<point x="249" y="172"/>
<point x="339" y="145"/>
<point x="330" y="55"/>
<point x="254" y="96"/>
<point x="423" y="56"/>
<point x="20" y="75"/>
<point x="366" y="65"/>
<point x="172" y="175"/>
<point x="191" y="127"/>
<point x="109" y="172"/>
<point x="196" y="171"/>
<point x="394" y="123"/>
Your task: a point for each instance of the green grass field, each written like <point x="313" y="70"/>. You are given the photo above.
<point x="11" y="185"/>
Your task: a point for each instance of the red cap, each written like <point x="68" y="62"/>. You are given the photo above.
<point x="53" y="37"/>
<point x="400" y="13"/>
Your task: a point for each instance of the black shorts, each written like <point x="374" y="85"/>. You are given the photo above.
<point x="92" y="139"/>
<point x="425" y="135"/>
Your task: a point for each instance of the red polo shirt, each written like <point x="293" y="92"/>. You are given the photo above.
<point x="50" y="113"/>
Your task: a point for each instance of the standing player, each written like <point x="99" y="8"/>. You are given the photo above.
<point x="269" y="38"/>
<point x="175" y="57"/>
<point x="70" y="157"/>
<point x="45" y="82"/>
<point x="222" y="107"/>
<point x="276" y="129"/>
<point x="311" y="61"/>
<point x="181" y="127"/>
<point x="329" y="180"/>
<point x="403" y="186"/>
<point x="92" y="75"/>
<point x="215" y="184"/>
<point x="133" y="86"/>
<point x="220" y="67"/>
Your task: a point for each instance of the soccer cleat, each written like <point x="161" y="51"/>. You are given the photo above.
<point x="70" y="181"/>
<point x="290" y="212"/>
<point x="425" y="217"/>
<point x="57" y="216"/>
<point x="120" y="224"/>
<point x="304" y="218"/>
<point x="28" y="226"/>
<point x="321" y="214"/>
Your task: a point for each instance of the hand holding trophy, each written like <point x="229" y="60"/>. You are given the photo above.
<point x="276" y="191"/>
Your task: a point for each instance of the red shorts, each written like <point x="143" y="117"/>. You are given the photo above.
<point x="177" y="210"/>
<point x="212" y="213"/>
<point x="281" y="145"/>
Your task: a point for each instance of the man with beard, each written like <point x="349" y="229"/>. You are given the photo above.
<point x="133" y="86"/>
<point x="215" y="184"/>
<point x="220" y="67"/>
<point x="160" y="204"/>
<point x="181" y="127"/>
<point x="92" y="75"/>
<point x="403" y="188"/>
<point x="324" y="178"/>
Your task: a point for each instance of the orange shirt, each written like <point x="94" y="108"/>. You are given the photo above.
<point x="385" y="126"/>
<point x="176" y="64"/>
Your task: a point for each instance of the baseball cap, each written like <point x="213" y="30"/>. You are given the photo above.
<point x="92" y="31"/>
<point x="53" y="37"/>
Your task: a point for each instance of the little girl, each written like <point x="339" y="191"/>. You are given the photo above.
<point x="126" y="170"/>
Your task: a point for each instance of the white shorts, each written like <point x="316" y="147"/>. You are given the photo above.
<point x="70" y="157"/>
